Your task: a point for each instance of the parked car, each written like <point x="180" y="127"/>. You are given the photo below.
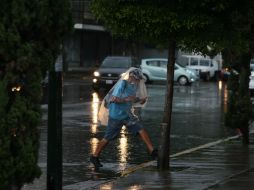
<point x="207" y="68"/>
<point x="251" y="83"/>
<point x="252" y="64"/>
<point x="155" y="69"/>
<point x="226" y="72"/>
<point x="111" y="69"/>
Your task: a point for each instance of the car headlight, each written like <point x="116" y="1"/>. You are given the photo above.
<point x="121" y="75"/>
<point x="96" y="73"/>
<point x="191" y="73"/>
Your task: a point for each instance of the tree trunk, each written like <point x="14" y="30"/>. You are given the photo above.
<point x="245" y="134"/>
<point x="163" y="159"/>
<point x="244" y="94"/>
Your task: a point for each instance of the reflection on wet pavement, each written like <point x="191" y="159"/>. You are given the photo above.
<point x="197" y="119"/>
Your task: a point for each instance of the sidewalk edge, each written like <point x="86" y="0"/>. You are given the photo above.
<point x="188" y="151"/>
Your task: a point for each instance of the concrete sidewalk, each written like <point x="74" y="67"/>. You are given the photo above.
<point x="224" y="164"/>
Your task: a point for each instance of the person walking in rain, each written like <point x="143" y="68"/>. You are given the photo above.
<point x="125" y="93"/>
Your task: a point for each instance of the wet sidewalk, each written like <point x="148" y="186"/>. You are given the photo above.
<point x="224" y="164"/>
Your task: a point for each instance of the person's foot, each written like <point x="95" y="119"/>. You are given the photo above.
<point x="96" y="162"/>
<point x="154" y="154"/>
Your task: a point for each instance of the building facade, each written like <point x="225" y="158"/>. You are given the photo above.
<point x="90" y="42"/>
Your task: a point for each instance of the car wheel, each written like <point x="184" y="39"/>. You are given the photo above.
<point x="182" y="80"/>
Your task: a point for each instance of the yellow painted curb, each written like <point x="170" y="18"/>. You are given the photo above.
<point x="135" y="168"/>
<point x="143" y="165"/>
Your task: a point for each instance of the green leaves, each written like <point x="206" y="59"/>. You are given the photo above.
<point x="31" y="33"/>
<point x="153" y="21"/>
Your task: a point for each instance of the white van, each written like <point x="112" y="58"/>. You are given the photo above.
<point x="207" y="68"/>
<point x="251" y="83"/>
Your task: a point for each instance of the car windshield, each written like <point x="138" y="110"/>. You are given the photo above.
<point x="116" y="63"/>
<point x="180" y="65"/>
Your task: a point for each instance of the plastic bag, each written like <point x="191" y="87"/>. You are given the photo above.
<point x="104" y="112"/>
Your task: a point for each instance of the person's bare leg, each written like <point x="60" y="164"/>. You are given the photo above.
<point x="100" y="147"/>
<point x="145" y="137"/>
<point x="95" y="156"/>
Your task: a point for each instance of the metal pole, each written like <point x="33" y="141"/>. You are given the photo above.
<point x="54" y="156"/>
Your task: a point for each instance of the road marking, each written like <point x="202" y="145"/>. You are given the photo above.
<point x="203" y="146"/>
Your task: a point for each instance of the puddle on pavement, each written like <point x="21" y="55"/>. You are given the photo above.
<point x="104" y="174"/>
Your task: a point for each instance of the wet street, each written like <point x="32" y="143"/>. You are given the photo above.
<point x="197" y="119"/>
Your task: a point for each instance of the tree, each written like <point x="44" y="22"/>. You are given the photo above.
<point x="239" y="27"/>
<point x="233" y="36"/>
<point x="31" y="32"/>
<point x="240" y="108"/>
<point x="170" y="24"/>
